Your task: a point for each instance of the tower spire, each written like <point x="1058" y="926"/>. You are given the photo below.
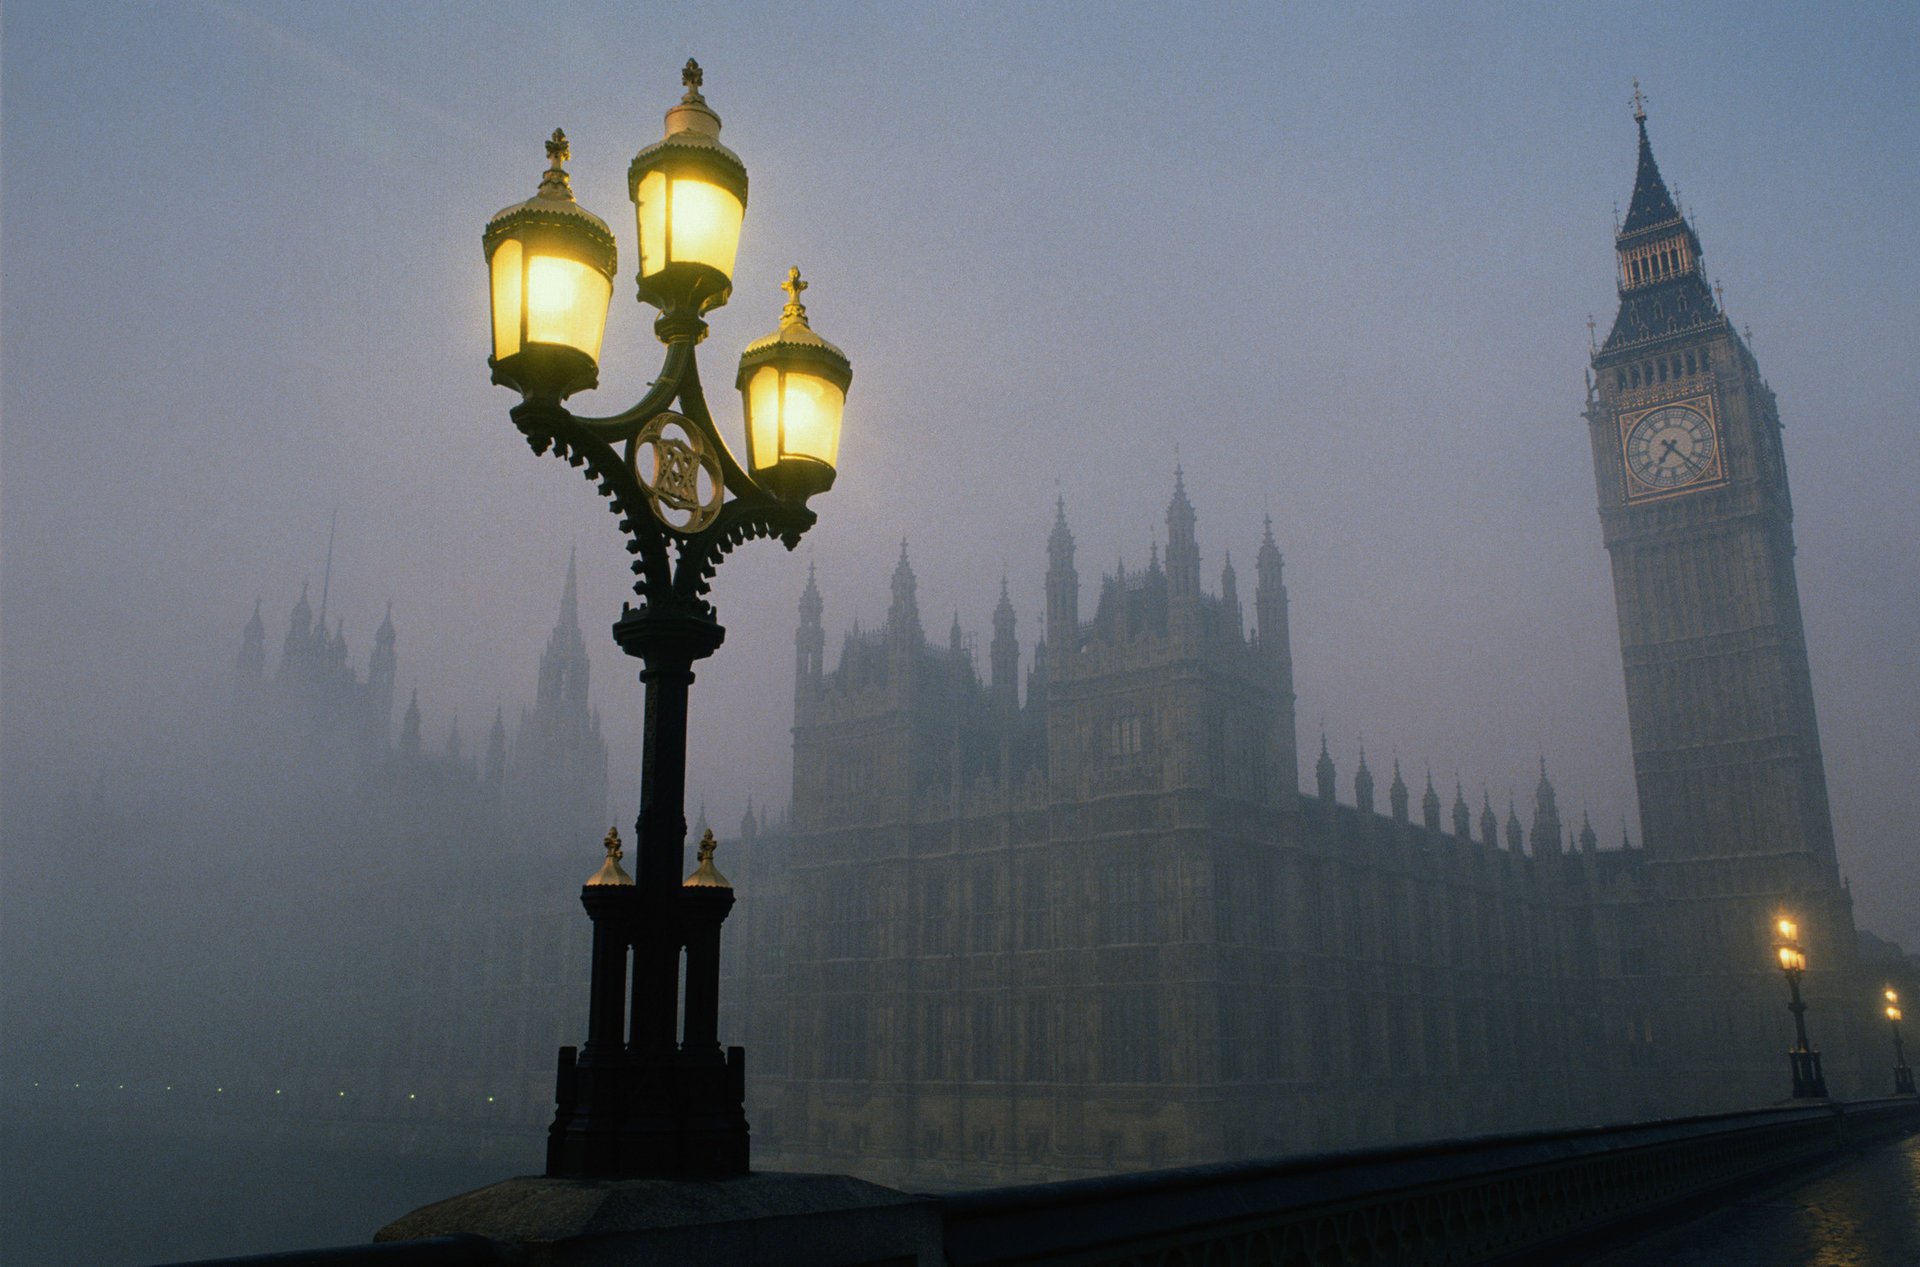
<point x="570" y="596"/>
<point x="326" y="577"/>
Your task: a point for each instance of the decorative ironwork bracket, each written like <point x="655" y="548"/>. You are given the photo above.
<point x="674" y="564"/>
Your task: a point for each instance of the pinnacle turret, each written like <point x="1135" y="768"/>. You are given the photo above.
<point x="1397" y="794"/>
<point x="1430" y="805"/>
<point x="1363" y="783"/>
<point x="1462" y="816"/>
<point x="1183" y="548"/>
<point x="253" y="645"/>
<point x="1323" y="775"/>
<point x="903" y="617"/>
<point x="1546" y="816"/>
<point x="1004" y="652"/>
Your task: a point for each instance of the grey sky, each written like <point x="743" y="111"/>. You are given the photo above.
<point x="1343" y="263"/>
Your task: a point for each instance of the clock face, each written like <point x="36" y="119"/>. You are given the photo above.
<point x="1672" y="447"/>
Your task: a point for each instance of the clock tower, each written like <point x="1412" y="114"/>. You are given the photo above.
<point x="1695" y="513"/>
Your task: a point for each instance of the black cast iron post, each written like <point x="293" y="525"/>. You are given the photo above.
<point x="660" y="1098"/>
<point x="1902" y="1076"/>
<point x="1808" y="1081"/>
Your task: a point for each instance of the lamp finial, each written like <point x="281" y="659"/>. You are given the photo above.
<point x="795" y="311"/>
<point x="1639" y="103"/>
<point x="706" y="875"/>
<point x="611" y="872"/>
<point x="554" y="182"/>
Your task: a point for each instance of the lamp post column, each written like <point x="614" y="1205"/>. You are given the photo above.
<point x="1809" y="1083"/>
<point x="1902" y="1076"/>
<point x="667" y="642"/>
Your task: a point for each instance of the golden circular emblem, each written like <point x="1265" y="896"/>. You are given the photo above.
<point x="679" y="472"/>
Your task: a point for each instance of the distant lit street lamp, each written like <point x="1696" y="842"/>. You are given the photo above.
<point x="650" y="1101"/>
<point x="1808" y="1081"/>
<point x="1902" y="1076"/>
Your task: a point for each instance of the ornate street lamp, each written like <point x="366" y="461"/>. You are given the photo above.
<point x="1808" y="1081"/>
<point x="1902" y="1076"/>
<point x="645" y="1095"/>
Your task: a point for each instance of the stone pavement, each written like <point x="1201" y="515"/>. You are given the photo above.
<point x="1861" y="1212"/>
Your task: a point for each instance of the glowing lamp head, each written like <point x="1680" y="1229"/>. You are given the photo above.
<point x="1893" y="1011"/>
<point x="689" y="195"/>
<point x="1892" y="995"/>
<point x="551" y="263"/>
<point x="793" y="384"/>
<point x="1787" y="929"/>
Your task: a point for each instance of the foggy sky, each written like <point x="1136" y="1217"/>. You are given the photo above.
<point x="1341" y="268"/>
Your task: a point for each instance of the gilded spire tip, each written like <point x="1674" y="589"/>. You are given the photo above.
<point x="795" y="310"/>
<point x="554" y="182"/>
<point x="706" y="875"/>
<point x="1639" y="103"/>
<point x="693" y="77"/>
<point x="611" y="872"/>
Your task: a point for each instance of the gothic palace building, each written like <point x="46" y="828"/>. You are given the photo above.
<point x="1093" y="925"/>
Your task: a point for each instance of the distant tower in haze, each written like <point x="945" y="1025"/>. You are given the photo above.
<point x="1695" y="512"/>
<point x="557" y="768"/>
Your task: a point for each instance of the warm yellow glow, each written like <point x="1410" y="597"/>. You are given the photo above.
<point x="567" y="303"/>
<point x="1893" y="995"/>
<point x="651" y="208"/>
<point x="793" y="414"/>
<point x="1786" y="957"/>
<point x="706" y="224"/>
<point x="1788" y="929"/>
<point x="506" y="299"/>
<point x="1893" y="1013"/>
<point x="763" y="413"/>
<point x="810" y="410"/>
<point x="686" y="221"/>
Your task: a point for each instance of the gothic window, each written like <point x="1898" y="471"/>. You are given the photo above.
<point x="985" y="1038"/>
<point x="1036" y="1046"/>
<point x="1033" y="904"/>
<point x="1126" y="910"/>
<point x="934" y="921"/>
<point x="847" y="1053"/>
<point x="1126" y="736"/>
<point x="933" y="1039"/>
<point x="1130" y="1034"/>
<point x="1232" y="1036"/>
<point x="983" y="901"/>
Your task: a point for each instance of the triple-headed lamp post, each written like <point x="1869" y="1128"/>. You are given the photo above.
<point x="648" y="1095"/>
<point x="1902" y="1076"/>
<point x="1808" y="1081"/>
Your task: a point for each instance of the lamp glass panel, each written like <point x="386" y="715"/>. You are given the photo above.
<point x="763" y="417"/>
<point x="567" y="303"/>
<point x="651" y="209"/>
<point x="506" y="298"/>
<point x="706" y="224"/>
<point x="810" y="409"/>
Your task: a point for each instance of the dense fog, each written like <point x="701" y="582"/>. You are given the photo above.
<point x="1339" y="271"/>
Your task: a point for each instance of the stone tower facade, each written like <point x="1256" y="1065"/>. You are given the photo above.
<point x="1695" y="513"/>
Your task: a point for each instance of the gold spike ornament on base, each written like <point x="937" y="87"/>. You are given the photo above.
<point x="611" y="872"/>
<point x="706" y="875"/>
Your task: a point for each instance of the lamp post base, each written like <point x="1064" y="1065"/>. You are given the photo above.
<point x="1808" y="1082"/>
<point x="1902" y="1080"/>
